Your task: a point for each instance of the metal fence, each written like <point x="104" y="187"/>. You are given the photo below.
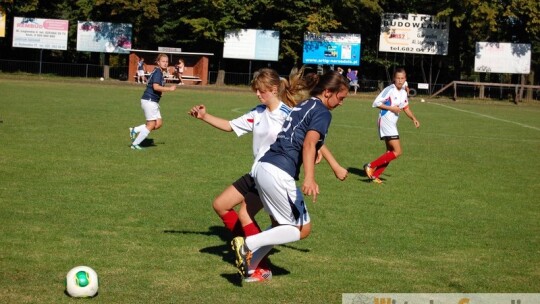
<point x="63" y="69"/>
<point x="230" y="78"/>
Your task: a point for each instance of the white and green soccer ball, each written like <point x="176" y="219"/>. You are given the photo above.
<point x="82" y="282"/>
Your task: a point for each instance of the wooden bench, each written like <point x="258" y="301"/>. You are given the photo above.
<point x="174" y="79"/>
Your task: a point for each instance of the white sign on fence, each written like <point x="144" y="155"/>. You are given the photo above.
<point x="497" y="57"/>
<point x="423" y="86"/>
<point x="35" y="33"/>
<point x="413" y="33"/>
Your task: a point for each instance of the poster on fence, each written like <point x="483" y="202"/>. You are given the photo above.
<point x="413" y="33"/>
<point x="331" y="48"/>
<point x="2" y="22"/>
<point x="36" y="33"/>
<point x="104" y="37"/>
<point x="251" y="44"/>
<point x="498" y="57"/>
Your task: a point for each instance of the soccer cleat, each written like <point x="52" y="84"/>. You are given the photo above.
<point x="259" y="275"/>
<point x="132" y="134"/>
<point x="369" y="171"/>
<point x="242" y="258"/>
<point x="376" y="180"/>
<point x="136" y="147"/>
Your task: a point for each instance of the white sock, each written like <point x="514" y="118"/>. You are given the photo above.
<point x="257" y="256"/>
<point x="142" y="135"/>
<point x="138" y="129"/>
<point x="281" y="234"/>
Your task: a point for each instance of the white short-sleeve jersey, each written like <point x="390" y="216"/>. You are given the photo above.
<point x="264" y="124"/>
<point x="387" y="121"/>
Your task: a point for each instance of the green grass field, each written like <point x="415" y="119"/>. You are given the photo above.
<point x="458" y="212"/>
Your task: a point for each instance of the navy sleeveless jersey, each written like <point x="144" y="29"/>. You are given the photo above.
<point x="286" y="152"/>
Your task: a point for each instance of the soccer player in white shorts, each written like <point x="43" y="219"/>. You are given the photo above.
<point x="391" y="101"/>
<point x="150" y="103"/>
<point x="275" y="174"/>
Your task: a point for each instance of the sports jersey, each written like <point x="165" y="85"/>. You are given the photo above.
<point x="286" y="152"/>
<point x="264" y="124"/>
<point x="149" y="92"/>
<point x="390" y="96"/>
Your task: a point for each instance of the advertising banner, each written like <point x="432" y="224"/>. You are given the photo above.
<point x="35" y="33"/>
<point x="104" y="37"/>
<point x="251" y="44"/>
<point x="497" y="57"/>
<point x="2" y="22"/>
<point x="440" y="298"/>
<point x="413" y="33"/>
<point x="331" y="48"/>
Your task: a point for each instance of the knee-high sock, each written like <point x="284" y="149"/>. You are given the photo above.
<point x="380" y="170"/>
<point x="231" y="222"/>
<point x="384" y="159"/>
<point x="258" y="258"/>
<point x="276" y="236"/>
<point x="142" y="135"/>
<point x="138" y="129"/>
<point x="251" y="229"/>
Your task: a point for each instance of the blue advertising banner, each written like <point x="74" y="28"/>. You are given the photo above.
<point x="332" y="49"/>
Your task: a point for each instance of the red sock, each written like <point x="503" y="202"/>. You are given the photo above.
<point x="230" y="219"/>
<point x="379" y="170"/>
<point x="384" y="159"/>
<point x="251" y="229"/>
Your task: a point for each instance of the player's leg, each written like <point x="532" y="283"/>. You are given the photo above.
<point x="393" y="148"/>
<point x="284" y="202"/>
<point x="152" y="114"/>
<point x="223" y="205"/>
<point x="248" y="209"/>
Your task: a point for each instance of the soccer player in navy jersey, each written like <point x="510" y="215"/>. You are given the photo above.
<point x="150" y="103"/>
<point x="275" y="175"/>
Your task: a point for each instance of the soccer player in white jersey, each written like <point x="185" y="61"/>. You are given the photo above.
<point x="302" y="135"/>
<point x="391" y="101"/>
<point x="265" y="122"/>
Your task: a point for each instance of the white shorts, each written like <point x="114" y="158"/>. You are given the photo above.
<point x="140" y="72"/>
<point x="280" y="196"/>
<point x="387" y="129"/>
<point x="151" y="109"/>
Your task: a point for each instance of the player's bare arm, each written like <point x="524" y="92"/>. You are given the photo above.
<point x="412" y="117"/>
<point x="309" y="186"/>
<point x="340" y="172"/>
<point x="160" y="88"/>
<point x="199" y="112"/>
<point x="393" y="109"/>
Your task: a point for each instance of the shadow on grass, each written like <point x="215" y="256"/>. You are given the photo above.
<point x="226" y="254"/>
<point x="149" y="143"/>
<point x="361" y="173"/>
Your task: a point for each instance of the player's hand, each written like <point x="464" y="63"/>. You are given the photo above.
<point x="416" y="123"/>
<point x="341" y="173"/>
<point x="198" y="111"/>
<point x="395" y="110"/>
<point x="172" y="88"/>
<point x="310" y="188"/>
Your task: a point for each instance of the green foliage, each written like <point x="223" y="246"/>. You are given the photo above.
<point x="201" y="25"/>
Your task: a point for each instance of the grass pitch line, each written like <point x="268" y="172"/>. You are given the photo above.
<point x="488" y="116"/>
